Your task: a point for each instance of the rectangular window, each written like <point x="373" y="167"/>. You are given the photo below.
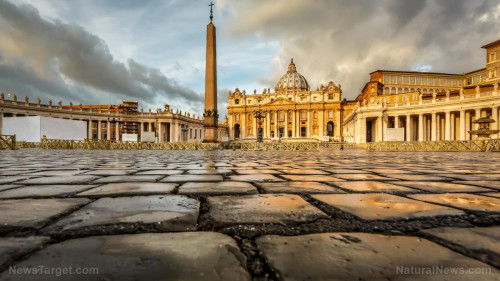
<point x="330" y="96"/>
<point x="249" y="101"/>
<point x="424" y="80"/>
<point x="303" y="115"/>
<point x="418" y="80"/>
<point x="412" y="80"/>
<point x="443" y="82"/>
<point x="237" y="117"/>
<point x="330" y="114"/>
<point x="400" y="79"/>
<point x="406" y="80"/>
<point x="394" y="79"/>
<point x="237" y="101"/>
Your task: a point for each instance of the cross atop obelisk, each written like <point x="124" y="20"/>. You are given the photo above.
<point x="210" y="121"/>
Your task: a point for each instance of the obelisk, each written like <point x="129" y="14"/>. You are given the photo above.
<point x="210" y="120"/>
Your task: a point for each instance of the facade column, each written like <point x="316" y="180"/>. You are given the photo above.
<point x="142" y="129"/>
<point x="98" y="129"/>
<point x="268" y="125"/>
<point x="408" y="127"/>
<point x="255" y="127"/>
<point x="243" y="129"/>
<point x="433" y="127"/>
<point x="467" y="124"/>
<point x="108" y="131"/>
<point x="172" y="132"/>
<point x="294" y="123"/>
<point x="494" y="126"/>
<point x="420" y="127"/>
<point x="89" y="136"/>
<point x="117" y="129"/>
<point x="309" y="117"/>
<point x="447" y="126"/>
<point x="396" y="121"/>
<point x="1" y="123"/>
<point x="160" y="134"/>
<point x="380" y="121"/>
<point x="477" y="116"/>
<point x="285" y="129"/>
<point x="384" y="129"/>
<point x="462" y="125"/>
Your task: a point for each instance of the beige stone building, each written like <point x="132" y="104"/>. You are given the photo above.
<point x="293" y="110"/>
<point x="429" y="106"/>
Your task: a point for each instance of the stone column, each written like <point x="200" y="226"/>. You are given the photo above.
<point x="420" y="127"/>
<point x="255" y="127"/>
<point x="99" y="129"/>
<point x="268" y="125"/>
<point x="89" y="130"/>
<point x="384" y="129"/>
<point x="141" y="130"/>
<point x="285" y="129"/>
<point x="243" y="128"/>
<point x="309" y="117"/>
<point x="108" y="131"/>
<point x="396" y="121"/>
<point x="494" y="116"/>
<point x="172" y="132"/>
<point x="294" y="123"/>
<point x="433" y="127"/>
<point x="467" y="124"/>
<point x="447" y="126"/>
<point x="477" y="116"/>
<point x="462" y="125"/>
<point x="160" y="133"/>
<point x="117" y="129"/>
<point x="408" y="127"/>
<point x="380" y="121"/>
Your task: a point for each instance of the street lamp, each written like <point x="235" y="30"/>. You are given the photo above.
<point x="259" y="115"/>
<point x="342" y="104"/>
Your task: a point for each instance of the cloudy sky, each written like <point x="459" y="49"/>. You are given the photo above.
<point x="153" y="51"/>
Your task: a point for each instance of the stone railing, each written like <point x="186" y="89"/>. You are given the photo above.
<point x="272" y="146"/>
<point x="8" y="142"/>
<point x="110" y="145"/>
<point x="470" y="145"/>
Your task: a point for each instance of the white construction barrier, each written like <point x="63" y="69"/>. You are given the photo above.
<point x="33" y="128"/>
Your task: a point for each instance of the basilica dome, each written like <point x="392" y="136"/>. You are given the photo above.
<point x="292" y="80"/>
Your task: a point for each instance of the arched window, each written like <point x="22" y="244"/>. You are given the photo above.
<point x="393" y="90"/>
<point x="329" y="129"/>
<point x="406" y="90"/>
<point x="386" y="90"/>
<point x="425" y="91"/>
<point x="400" y="90"/>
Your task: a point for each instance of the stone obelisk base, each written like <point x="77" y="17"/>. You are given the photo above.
<point x="211" y="130"/>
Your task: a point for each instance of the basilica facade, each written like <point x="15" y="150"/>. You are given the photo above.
<point x="293" y="111"/>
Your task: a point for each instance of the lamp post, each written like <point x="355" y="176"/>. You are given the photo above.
<point x="259" y="115"/>
<point x="342" y="103"/>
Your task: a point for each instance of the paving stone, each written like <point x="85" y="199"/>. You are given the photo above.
<point x="8" y="186"/>
<point x="11" y="179"/>
<point x="311" y="178"/>
<point x="363" y="256"/>
<point x="12" y="248"/>
<point x="361" y="177"/>
<point x="109" y="172"/>
<point x="462" y="200"/>
<point x="494" y="194"/>
<point x="193" y="178"/>
<point x="257" y="171"/>
<point x="130" y="188"/>
<point x="346" y="171"/>
<point x="132" y="178"/>
<point x="161" y="172"/>
<point x="475" y="177"/>
<point x="304" y="172"/>
<point x="150" y="256"/>
<point x="488" y="184"/>
<point x="410" y="177"/>
<point x="57" y="173"/>
<point x="388" y="171"/>
<point x="34" y="213"/>
<point x="373" y="186"/>
<point x="480" y="242"/>
<point x="44" y="190"/>
<point x="262" y="208"/>
<point x="381" y="206"/>
<point x="209" y="171"/>
<point x="165" y="213"/>
<point x="60" y="180"/>
<point x="298" y="187"/>
<point x="217" y="188"/>
<point x="255" y="178"/>
<point x="443" y="186"/>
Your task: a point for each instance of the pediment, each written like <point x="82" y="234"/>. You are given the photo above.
<point x="281" y="101"/>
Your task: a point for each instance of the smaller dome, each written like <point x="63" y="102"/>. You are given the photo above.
<point x="292" y="80"/>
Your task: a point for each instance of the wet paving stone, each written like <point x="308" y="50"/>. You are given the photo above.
<point x="462" y="200"/>
<point x="373" y="186"/>
<point x="161" y="172"/>
<point x="217" y="188"/>
<point x="311" y="178"/>
<point x="12" y="179"/>
<point x="480" y="242"/>
<point x="129" y="188"/>
<point x="34" y="213"/>
<point x="255" y="178"/>
<point x="409" y="177"/>
<point x="79" y="179"/>
<point x="381" y="206"/>
<point x="57" y="173"/>
<point x="441" y="187"/>
<point x="494" y="194"/>
<point x="192" y="178"/>
<point x="9" y="186"/>
<point x="12" y="248"/>
<point x="488" y="184"/>
<point x="304" y="172"/>
<point x="44" y="191"/>
<point x="363" y="256"/>
<point x="109" y="172"/>
<point x="262" y="208"/>
<point x="164" y="213"/>
<point x="209" y="172"/>
<point x="257" y="171"/>
<point x="354" y="177"/>
<point x="298" y="187"/>
<point x="159" y="256"/>
<point x="132" y="178"/>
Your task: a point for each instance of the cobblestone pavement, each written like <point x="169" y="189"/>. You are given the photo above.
<point x="234" y="215"/>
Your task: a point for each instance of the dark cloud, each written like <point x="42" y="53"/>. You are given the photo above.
<point x="56" y="59"/>
<point x="345" y="40"/>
